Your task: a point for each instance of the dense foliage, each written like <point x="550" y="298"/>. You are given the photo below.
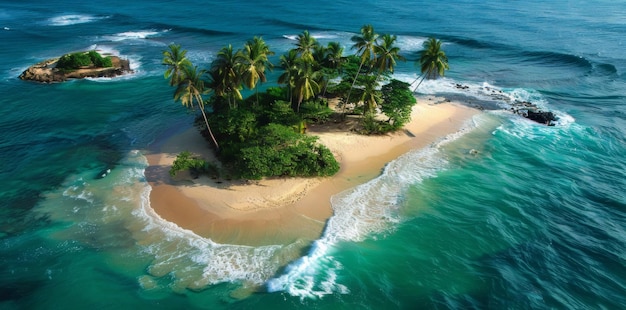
<point x="196" y="166"/>
<point x="83" y="59"/>
<point x="263" y="135"/>
<point x="398" y="100"/>
<point x="268" y="141"/>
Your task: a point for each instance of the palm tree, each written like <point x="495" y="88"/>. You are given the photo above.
<point x="370" y="95"/>
<point x="364" y="44"/>
<point x="226" y="76"/>
<point x="288" y="63"/>
<point x="433" y="61"/>
<point x="386" y="54"/>
<point x="333" y="60"/>
<point x="306" y="83"/>
<point x="334" y="56"/>
<point x="254" y="60"/>
<point x="189" y="91"/>
<point x="175" y="59"/>
<point x="306" y="45"/>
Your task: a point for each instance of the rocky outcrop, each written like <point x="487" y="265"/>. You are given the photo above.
<point x="526" y="109"/>
<point x="532" y="112"/>
<point x="542" y="117"/>
<point x="46" y="72"/>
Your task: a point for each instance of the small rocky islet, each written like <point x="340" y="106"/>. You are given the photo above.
<point x="48" y="71"/>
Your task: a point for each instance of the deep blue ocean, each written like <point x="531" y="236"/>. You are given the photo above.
<point x="535" y="219"/>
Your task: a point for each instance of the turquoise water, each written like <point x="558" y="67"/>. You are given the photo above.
<point x="535" y="219"/>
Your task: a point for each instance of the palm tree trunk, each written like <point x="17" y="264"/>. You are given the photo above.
<point x="420" y="83"/>
<point x="206" y="121"/>
<point x="418" y="77"/>
<point x="343" y="111"/>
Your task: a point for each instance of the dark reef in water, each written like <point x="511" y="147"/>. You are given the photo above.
<point x="526" y="109"/>
<point x="533" y="113"/>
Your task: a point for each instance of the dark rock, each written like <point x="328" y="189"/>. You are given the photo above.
<point x="542" y="117"/>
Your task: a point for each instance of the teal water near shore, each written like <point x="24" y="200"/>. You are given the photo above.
<point x="535" y="219"/>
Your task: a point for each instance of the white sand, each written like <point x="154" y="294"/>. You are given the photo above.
<point x="282" y="210"/>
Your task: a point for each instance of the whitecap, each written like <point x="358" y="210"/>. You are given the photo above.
<point x="410" y="44"/>
<point x="134" y="35"/>
<point x="73" y="19"/>
<point x="359" y="213"/>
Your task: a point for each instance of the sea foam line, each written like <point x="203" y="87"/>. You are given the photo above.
<point x="73" y="19"/>
<point x="181" y="250"/>
<point x="486" y="95"/>
<point x="359" y="213"/>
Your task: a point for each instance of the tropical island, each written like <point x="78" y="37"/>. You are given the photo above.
<point x="331" y="123"/>
<point x="264" y="135"/>
<point x="78" y="65"/>
<point x="275" y="158"/>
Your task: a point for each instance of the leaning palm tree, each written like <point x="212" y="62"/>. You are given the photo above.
<point x="387" y="54"/>
<point x="364" y="44"/>
<point x="433" y="61"/>
<point x="175" y="59"/>
<point x="253" y="61"/>
<point x="189" y="92"/>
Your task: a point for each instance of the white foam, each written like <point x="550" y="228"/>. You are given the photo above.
<point x="73" y="19"/>
<point x="317" y="36"/>
<point x="410" y="44"/>
<point x="134" y="35"/>
<point x="324" y="36"/>
<point x="362" y="212"/>
<point x="179" y="251"/>
<point x="106" y="50"/>
<point x="501" y="97"/>
<point x="79" y="191"/>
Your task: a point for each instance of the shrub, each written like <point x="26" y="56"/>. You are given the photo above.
<point x="83" y="59"/>
<point x="397" y="103"/>
<point x="74" y="61"/>
<point x="196" y="166"/>
<point x="99" y="61"/>
<point x="279" y="151"/>
<point x="316" y="110"/>
<point x="281" y="112"/>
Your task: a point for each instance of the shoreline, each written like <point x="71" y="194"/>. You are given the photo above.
<point x="285" y="210"/>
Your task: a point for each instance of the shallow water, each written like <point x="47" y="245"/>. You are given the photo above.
<point x="534" y="219"/>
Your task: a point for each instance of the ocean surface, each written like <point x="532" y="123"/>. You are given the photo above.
<point x="534" y="218"/>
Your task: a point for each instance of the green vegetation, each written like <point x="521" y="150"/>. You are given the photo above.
<point x="77" y="60"/>
<point x="433" y="61"/>
<point x="196" y="166"/>
<point x="264" y="135"/>
<point x="397" y="102"/>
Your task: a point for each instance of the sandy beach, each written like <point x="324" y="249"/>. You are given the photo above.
<point x="282" y="211"/>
